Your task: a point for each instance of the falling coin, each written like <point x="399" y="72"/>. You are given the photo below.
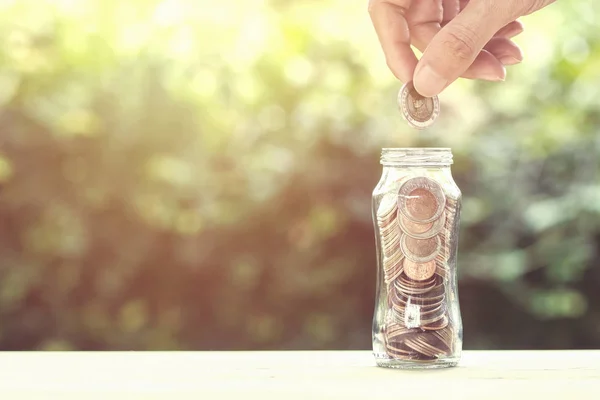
<point x="420" y="112"/>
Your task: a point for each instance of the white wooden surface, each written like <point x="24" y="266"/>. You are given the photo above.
<point x="294" y="375"/>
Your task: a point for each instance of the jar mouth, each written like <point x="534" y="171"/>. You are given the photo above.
<point x="417" y="156"/>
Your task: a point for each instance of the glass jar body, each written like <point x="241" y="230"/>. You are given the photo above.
<point x="416" y="215"/>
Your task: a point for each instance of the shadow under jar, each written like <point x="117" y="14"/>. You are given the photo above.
<point x="416" y="213"/>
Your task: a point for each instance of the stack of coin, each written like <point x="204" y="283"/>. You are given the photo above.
<point x="389" y="232"/>
<point x="416" y="245"/>
<point x="415" y="344"/>
<point x="451" y="210"/>
<point x="390" y="237"/>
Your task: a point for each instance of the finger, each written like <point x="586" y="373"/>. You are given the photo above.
<point x="451" y="10"/>
<point x="485" y="66"/>
<point x="505" y="50"/>
<point x="511" y="30"/>
<point x="537" y="5"/>
<point x="424" y="19"/>
<point x="394" y="36"/>
<point x="456" y="47"/>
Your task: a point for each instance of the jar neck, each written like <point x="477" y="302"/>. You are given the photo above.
<point x="417" y="157"/>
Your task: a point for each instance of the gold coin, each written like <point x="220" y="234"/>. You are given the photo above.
<point x="419" y="271"/>
<point x="420" y="112"/>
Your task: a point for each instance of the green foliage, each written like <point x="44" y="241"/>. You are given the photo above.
<point x="183" y="175"/>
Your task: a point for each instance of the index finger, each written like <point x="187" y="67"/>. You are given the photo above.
<point x="388" y="17"/>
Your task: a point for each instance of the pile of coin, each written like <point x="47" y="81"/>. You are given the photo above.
<point x="420" y="112"/>
<point x="416" y="224"/>
<point x="415" y="344"/>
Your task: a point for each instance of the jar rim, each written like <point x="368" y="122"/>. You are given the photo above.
<point x="416" y="156"/>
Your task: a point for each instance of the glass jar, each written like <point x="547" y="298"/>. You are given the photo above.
<point x="416" y="213"/>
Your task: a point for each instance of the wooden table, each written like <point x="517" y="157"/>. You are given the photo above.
<point x="481" y="375"/>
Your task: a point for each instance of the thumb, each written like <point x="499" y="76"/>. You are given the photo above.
<point x="452" y="51"/>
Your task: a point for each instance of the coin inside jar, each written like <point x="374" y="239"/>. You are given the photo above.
<point x="403" y="289"/>
<point x="421" y="204"/>
<point x="392" y="266"/>
<point x="414" y="227"/>
<point x="420" y="112"/>
<point x="435" y="326"/>
<point x="419" y="271"/>
<point x="421" y="200"/>
<point x="420" y="250"/>
<point x="387" y="207"/>
<point x="441" y="268"/>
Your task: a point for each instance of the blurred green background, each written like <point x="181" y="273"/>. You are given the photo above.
<point x="185" y="174"/>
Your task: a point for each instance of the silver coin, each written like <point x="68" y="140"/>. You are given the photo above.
<point x="420" y="112"/>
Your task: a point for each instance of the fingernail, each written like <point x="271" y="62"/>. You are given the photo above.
<point x="494" y="76"/>
<point x="514" y="32"/>
<point x="428" y="82"/>
<point x="509" y="60"/>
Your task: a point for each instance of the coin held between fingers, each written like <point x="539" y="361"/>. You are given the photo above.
<point x="420" y="112"/>
<point x="430" y="80"/>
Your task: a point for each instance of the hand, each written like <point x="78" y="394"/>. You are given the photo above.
<point x="457" y="37"/>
